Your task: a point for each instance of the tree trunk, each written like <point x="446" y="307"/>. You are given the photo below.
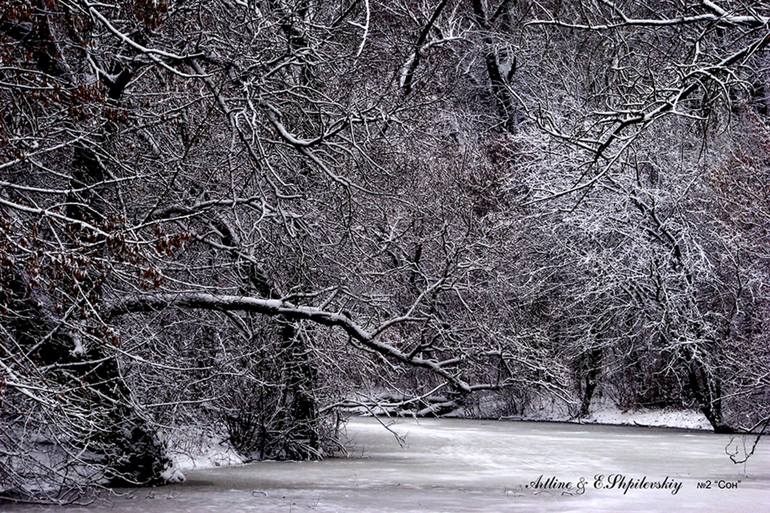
<point x="707" y="390"/>
<point x="301" y="422"/>
<point x="594" y="363"/>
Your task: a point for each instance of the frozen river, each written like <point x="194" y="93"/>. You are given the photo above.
<point x="475" y="466"/>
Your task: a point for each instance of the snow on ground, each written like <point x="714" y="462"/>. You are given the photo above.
<point x="462" y="465"/>
<point x="668" y="417"/>
<point x="192" y="449"/>
<point x="610" y="414"/>
<point x="613" y="416"/>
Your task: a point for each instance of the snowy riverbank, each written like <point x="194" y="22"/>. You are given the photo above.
<point x="642" y="417"/>
<point x="685" y="419"/>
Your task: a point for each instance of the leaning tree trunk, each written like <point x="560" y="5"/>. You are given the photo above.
<point x="76" y="355"/>
<point x="117" y="434"/>
<point x="133" y="451"/>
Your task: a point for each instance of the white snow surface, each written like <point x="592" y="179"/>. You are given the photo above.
<point x="688" y="419"/>
<point x="198" y="451"/>
<point x="462" y="465"/>
<point x="611" y="415"/>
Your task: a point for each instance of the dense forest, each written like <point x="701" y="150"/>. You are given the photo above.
<point x="255" y="216"/>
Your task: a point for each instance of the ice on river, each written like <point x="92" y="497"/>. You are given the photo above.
<point x="454" y="465"/>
